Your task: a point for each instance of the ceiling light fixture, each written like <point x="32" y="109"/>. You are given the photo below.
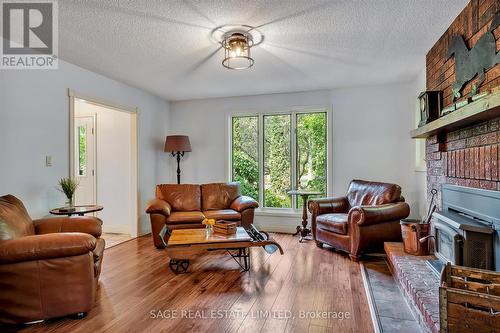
<point x="237" y="41"/>
<point x="237" y="50"/>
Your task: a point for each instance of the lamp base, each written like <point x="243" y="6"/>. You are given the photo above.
<point x="179" y="154"/>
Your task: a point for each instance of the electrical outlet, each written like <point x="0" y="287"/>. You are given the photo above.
<point x="48" y="161"/>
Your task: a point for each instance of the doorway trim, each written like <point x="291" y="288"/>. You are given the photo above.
<point x="134" y="111"/>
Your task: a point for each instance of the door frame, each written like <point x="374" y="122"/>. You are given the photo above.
<point x="134" y="111"/>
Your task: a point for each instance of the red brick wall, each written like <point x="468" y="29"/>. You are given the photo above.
<point x="472" y="23"/>
<point x="469" y="156"/>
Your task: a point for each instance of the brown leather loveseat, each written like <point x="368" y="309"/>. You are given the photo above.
<point x="187" y="205"/>
<point x="361" y="221"/>
<point x="49" y="267"/>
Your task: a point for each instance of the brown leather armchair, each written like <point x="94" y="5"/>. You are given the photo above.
<point x="361" y="221"/>
<point x="48" y="267"/>
<point x="187" y="205"/>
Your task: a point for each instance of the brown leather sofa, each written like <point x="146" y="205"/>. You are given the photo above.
<point x="49" y="267"/>
<point x="187" y="205"/>
<point x="361" y="221"/>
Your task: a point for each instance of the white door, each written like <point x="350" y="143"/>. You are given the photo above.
<point x="85" y="160"/>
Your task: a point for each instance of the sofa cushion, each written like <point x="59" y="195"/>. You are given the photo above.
<point x="365" y="193"/>
<point x="222" y="214"/>
<point x="17" y="221"/>
<point x="185" y="217"/>
<point x="336" y="223"/>
<point x="218" y="196"/>
<point x="184" y="197"/>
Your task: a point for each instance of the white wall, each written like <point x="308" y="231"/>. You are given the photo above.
<point x="420" y="175"/>
<point x="371" y="128"/>
<point x="34" y="122"/>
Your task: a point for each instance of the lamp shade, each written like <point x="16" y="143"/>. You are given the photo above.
<point x="174" y="143"/>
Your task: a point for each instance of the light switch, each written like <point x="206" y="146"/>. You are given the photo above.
<point x="48" y="161"/>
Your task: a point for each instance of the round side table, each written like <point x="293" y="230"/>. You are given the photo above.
<point x="77" y="210"/>
<point x="303" y="230"/>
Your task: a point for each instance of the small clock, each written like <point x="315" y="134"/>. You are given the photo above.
<point x="423" y="105"/>
<point x="430" y="104"/>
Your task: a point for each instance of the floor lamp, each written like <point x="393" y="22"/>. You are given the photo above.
<point x="177" y="145"/>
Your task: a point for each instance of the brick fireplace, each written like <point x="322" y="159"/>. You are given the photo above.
<point x="468" y="156"/>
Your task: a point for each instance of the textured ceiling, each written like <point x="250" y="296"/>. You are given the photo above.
<point x="164" y="46"/>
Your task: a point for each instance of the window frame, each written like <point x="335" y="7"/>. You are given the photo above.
<point x="293" y="112"/>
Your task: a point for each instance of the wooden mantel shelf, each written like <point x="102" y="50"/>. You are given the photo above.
<point x="473" y="113"/>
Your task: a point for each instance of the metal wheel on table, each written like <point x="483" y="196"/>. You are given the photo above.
<point x="179" y="266"/>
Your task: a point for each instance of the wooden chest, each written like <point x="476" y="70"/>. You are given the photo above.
<point x="225" y="227"/>
<point x="469" y="300"/>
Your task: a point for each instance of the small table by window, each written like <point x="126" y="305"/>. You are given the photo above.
<point x="303" y="230"/>
<point x="78" y="210"/>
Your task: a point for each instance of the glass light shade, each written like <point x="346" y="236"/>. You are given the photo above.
<point x="237" y="51"/>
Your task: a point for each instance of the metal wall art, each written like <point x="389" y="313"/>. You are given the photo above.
<point x="469" y="63"/>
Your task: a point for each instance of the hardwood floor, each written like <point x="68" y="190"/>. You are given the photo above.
<point x="138" y="291"/>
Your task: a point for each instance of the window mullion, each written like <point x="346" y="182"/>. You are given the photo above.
<point x="260" y="148"/>
<point x="293" y="150"/>
<point x="231" y="149"/>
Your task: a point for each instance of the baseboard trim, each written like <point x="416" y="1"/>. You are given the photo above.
<point x="285" y="229"/>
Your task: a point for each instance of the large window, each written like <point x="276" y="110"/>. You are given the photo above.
<point x="273" y="153"/>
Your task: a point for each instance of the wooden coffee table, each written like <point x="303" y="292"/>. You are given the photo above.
<point x="186" y="244"/>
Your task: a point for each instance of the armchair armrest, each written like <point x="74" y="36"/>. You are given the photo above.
<point x="37" y="247"/>
<point x="158" y="206"/>
<point x="368" y="215"/>
<point x="84" y="224"/>
<point x="243" y="202"/>
<point x="328" y="205"/>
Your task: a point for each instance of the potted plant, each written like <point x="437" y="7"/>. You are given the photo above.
<point x="68" y="186"/>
